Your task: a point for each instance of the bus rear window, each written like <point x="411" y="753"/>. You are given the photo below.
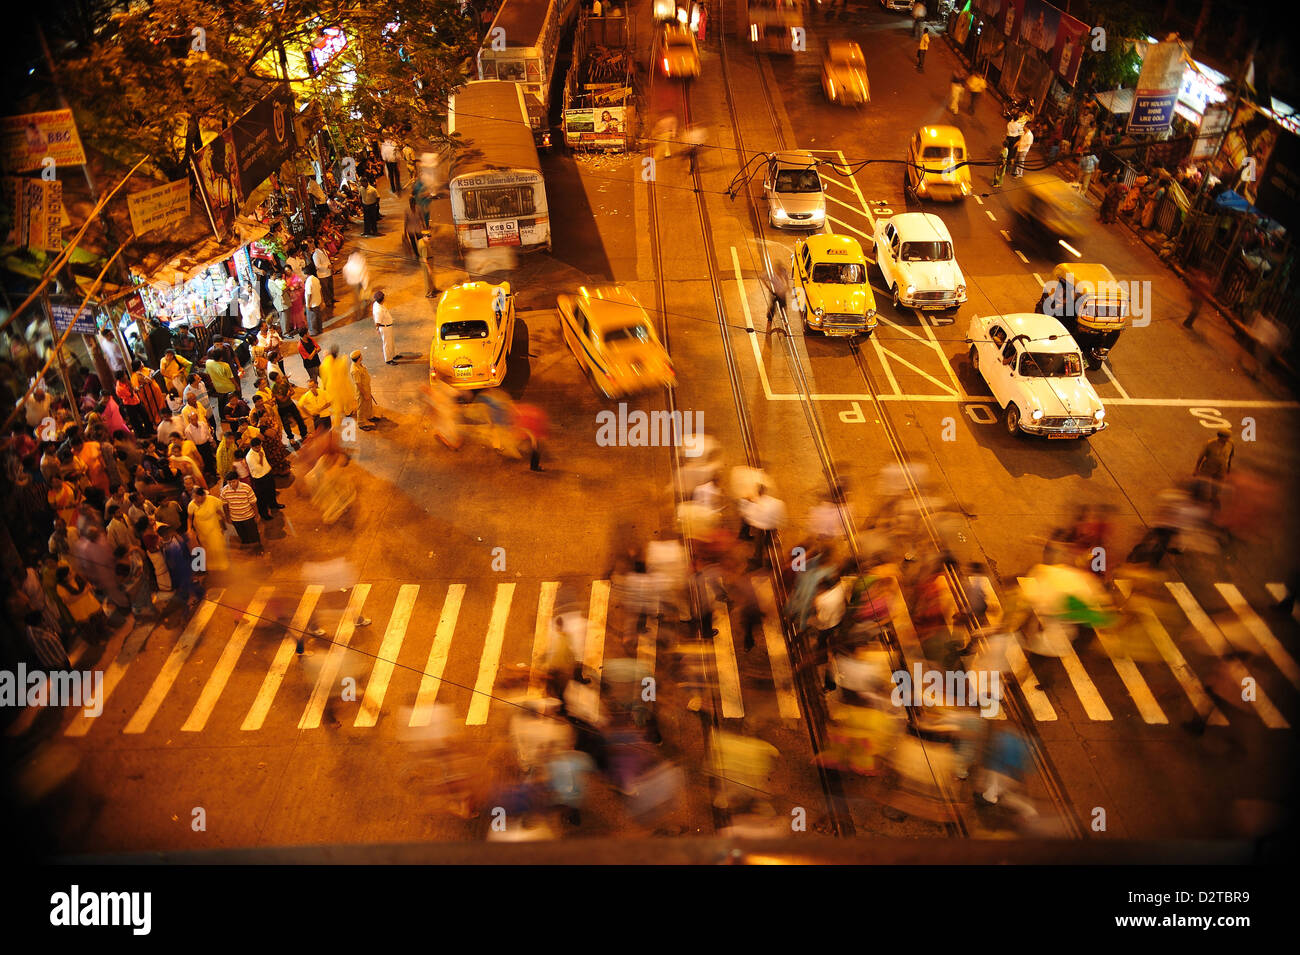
<point x="500" y="202"/>
<point x="462" y="331"/>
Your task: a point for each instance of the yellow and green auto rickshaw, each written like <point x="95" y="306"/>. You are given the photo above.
<point x="1091" y="303"/>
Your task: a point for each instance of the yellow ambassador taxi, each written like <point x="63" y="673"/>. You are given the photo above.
<point x="933" y="170"/>
<point x="830" y="291"/>
<point x="614" y="341"/>
<point x="474" y="328"/>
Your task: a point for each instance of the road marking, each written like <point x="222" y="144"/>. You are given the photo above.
<point x="1113" y="380"/>
<point x="284" y="655"/>
<point x="885" y="366"/>
<point x="850" y="207"/>
<point x="593" y="656"/>
<point x="1148" y="708"/>
<point x="129" y="650"/>
<point x="27" y="718"/>
<point x="866" y="206"/>
<point x="1005" y="234"/>
<point x="1256" y="627"/>
<point x="903" y="328"/>
<point x="171" y="668"/>
<point x="1038" y="278"/>
<point x="1279" y="593"/>
<point x="491" y="658"/>
<point x="844" y="225"/>
<point x="724" y="652"/>
<point x="898" y="615"/>
<point x="329" y="670"/>
<point x="542" y="637"/>
<point x="1213" y="638"/>
<point x="749" y="324"/>
<point x="787" y="702"/>
<point x="386" y="660"/>
<point x="989" y="213"/>
<point x="422" y="712"/>
<point x="1018" y="664"/>
<point x="1173" y="657"/>
<point x="220" y="675"/>
<point x="938" y="349"/>
<point x="977" y="198"/>
<point x="1084" y="688"/>
<point x="1021" y="256"/>
<point x="928" y="377"/>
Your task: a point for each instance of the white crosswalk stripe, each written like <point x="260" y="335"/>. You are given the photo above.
<point x="139" y="722"/>
<point x="327" y="681"/>
<point x="1084" y="688"/>
<point x="1256" y="627"/>
<point x="207" y="702"/>
<point x="382" y="672"/>
<point x="284" y="655"/>
<point x="491" y="658"/>
<point x="422" y="712"/>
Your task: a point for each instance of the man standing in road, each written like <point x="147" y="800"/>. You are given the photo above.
<point x="314" y="299"/>
<point x="1022" y="150"/>
<point x="779" y="290"/>
<point x="1213" y="466"/>
<point x="1014" y="130"/>
<point x="384" y="325"/>
<point x="390" y="154"/>
<point x="279" y="291"/>
<point x="241" y="505"/>
<point x="424" y="252"/>
<point x="370" y="209"/>
<point x="1087" y="166"/>
<point x="259" y="469"/>
<point x="975" y="85"/>
<point x="324" y="270"/>
<point x="922" y="45"/>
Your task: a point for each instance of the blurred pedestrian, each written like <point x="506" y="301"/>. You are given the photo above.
<point x="1199" y="291"/>
<point x="339" y="386"/>
<point x="918" y="18"/>
<point x="414" y="225"/>
<point x="424" y="255"/>
<point x="369" y="209"/>
<point x="1023" y="144"/>
<point x="1087" y="166"/>
<point x="357" y="274"/>
<point x="1213" y="466"/>
<point x="761" y="515"/>
<point x="447" y="413"/>
<point x="1112" y="198"/>
<point x="778" y="290"/>
<point x="1001" y="171"/>
<point x="922" y="45"/>
<point x="956" y="87"/>
<point x="530" y="421"/>
<point x="975" y="85"/>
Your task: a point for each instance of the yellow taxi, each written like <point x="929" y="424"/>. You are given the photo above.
<point x="614" y="341"/>
<point x="679" y="57"/>
<point x="829" y="289"/>
<point x="936" y="168"/>
<point x="474" y="327"/>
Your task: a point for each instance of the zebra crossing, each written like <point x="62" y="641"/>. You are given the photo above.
<point x="233" y="666"/>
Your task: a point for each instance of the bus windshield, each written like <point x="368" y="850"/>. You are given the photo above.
<point x="499" y="202"/>
<point x="462" y="331"/>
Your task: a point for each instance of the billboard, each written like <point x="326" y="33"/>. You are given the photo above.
<point x="25" y="141"/>
<point x="163" y="206"/>
<point x="602" y="126"/>
<point x="1157" y="88"/>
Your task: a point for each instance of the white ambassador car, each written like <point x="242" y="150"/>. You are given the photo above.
<point x="1035" y="371"/>
<point x="915" y="256"/>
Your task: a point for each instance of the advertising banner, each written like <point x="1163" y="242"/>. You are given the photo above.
<point x="1038" y="25"/>
<point x="1013" y="13"/>
<point x="602" y="126"/>
<point x="243" y="156"/>
<point x="1247" y="146"/>
<point x="63" y="315"/>
<point x="1157" y="88"/>
<point x="1067" y="55"/>
<point x="44" y="214"/>
<point x="156" y="208"/>
<point x="26" y="140"/>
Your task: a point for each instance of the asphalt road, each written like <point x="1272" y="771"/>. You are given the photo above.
<point x="215" y="714"/>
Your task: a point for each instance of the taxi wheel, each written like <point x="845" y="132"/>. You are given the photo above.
<point x="898" y="302"/>
<point x="1013" y="419"/>
<point x="974" y="359"/>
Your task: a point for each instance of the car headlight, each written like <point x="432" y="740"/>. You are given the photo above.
<point x="965" y="187"/>
<point x="1037" y="414"/>
<point x="911" y="290"/>
<point x="819" y="214"/>
<point x="819" y="312"/>
<point x="961" y="290"/>
<point x="1099" y="414"/>
<point x="871" y="313"/>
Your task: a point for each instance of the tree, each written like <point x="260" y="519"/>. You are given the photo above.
<point x="1119" y="63"/>
<point x="143" y="80"/>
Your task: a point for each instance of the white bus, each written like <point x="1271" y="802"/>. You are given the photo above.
<point x="498" y="196"/>
<point x="520" y="47"/>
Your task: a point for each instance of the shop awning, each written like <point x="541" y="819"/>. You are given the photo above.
<point x="1116" y="102"/>
<point x="198" y="257"/>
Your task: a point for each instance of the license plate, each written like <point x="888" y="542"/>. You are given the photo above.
<point x="464" y="372"/>
<point x="1065" y="434"/>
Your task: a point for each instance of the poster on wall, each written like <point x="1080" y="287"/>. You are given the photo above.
<point x="1038" y="25"/>
<point x="1248" y="145"/>
<point x="1157" y="88"/>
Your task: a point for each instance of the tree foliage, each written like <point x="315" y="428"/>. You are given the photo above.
<point x="146" y="78"/>
<point x="1119" y="64"/>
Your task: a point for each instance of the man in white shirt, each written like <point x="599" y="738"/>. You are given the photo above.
<point x="199" y="430"/>
<point x="37" y="406"/>
<point x="324" y="270"/>
<point x="760" y="515"/>
<point x="269" y="339"/>
<point x="390" y="154"/>
<point x="263" y="480"/>
<point x="384" y="325"/>
<point x="168" y="429"/>
<point x="314" y="300"/>
<point x="1022" y="150"/>
<point x="112" y="353"/>
<point x="317" y="196"/>
<point x="250" y="310"/>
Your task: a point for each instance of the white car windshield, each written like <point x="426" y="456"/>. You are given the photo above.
<point x="1051" y="365"/>
<point x="798" y="180"/>
<point x="838" y="273"/>
<point x="927" y="251"/>
<point x="460" y="331"/>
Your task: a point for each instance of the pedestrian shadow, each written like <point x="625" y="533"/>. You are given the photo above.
<point x="518" y="368"/>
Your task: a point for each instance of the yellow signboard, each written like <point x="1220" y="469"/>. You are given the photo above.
<point x="26" y="141"/>
<point x="163" y="206"/>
